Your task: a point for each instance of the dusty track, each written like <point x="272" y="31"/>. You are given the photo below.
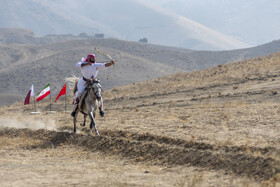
<point x="250" y="161"/>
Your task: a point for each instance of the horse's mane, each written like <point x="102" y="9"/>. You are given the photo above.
<point x="72" y="83"/>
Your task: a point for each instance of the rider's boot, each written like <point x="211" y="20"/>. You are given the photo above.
<point x="73" y="114"/>
<point x="76" y="104"/>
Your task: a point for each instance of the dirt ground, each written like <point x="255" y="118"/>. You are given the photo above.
<point x="210" y="129"/>
<point x="71" y="166"/>
<point x="44" y="158"/>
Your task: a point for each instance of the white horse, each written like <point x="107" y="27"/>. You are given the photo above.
<point x="89" y="104"/>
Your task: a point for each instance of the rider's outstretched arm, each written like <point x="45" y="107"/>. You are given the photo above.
<point x="109" y="63"/>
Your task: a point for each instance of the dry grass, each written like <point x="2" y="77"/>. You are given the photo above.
<point x="229" y="112"/>
<point x="232" y="73"/>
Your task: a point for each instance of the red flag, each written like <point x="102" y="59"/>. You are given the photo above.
<point x="62" y="92"/>
<point x="30" y="93"/>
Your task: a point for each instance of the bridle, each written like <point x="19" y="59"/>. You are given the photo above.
<point x="94" y="94"/>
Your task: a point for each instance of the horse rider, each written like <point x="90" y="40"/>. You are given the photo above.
<point x="89" y="69"/>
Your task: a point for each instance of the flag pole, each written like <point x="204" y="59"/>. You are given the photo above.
<point x="34" y="103"/>
<point x="50" y="102"/>
<point x="65" y="103"/>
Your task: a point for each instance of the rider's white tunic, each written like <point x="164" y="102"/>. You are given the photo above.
<point x="89" y="72"/>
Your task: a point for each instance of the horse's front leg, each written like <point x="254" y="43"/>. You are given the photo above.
<point x="75" y="121"/>
<point x="84" y="123"/>
<point x="92" y="124"/>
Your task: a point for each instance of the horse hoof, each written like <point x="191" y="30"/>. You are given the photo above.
<point x="97" y="133"/>
<point x="82" y="124"/>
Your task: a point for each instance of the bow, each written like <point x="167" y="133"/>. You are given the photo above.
<point x="103" y="53"/>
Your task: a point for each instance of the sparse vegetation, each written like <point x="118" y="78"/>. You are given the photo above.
<point x="166" y="131"/>
<point x="144" y="40"/>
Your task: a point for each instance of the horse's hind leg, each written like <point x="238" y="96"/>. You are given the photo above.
<point x="84" y="123"/>
<point x="92" y="124"/>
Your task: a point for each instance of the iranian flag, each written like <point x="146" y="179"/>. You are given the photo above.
<point x="44" y="93"/>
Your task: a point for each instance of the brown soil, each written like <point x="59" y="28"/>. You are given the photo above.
<point x="216" y="127"/>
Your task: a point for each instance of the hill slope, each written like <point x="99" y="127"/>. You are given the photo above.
<point x="131" y="20"/>
<point x="255" y="22"/>
<point x="51" y="62"/>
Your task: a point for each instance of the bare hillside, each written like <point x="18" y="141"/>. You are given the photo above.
<point x="214" y="127"/>
<point x="131" y="20"/>
<point x="51" y="62"/>
<point x="23" y="65"/>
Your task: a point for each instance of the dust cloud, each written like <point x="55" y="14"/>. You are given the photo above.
<point x="28" y="123"/>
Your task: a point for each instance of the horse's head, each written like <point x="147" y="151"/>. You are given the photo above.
<point x="94" y="86"/>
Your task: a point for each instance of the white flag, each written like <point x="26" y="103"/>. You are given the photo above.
<point x="30" y="93"/>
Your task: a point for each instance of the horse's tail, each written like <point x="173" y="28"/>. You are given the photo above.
<point x="72" y="82"/>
